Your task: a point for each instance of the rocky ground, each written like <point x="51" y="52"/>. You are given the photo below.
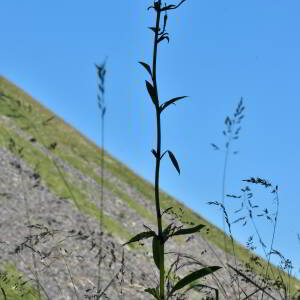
<point x="55" y="245"/>
<point x="51" y="242"/>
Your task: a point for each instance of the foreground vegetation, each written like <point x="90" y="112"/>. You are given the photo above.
<point x="53" y="134"/>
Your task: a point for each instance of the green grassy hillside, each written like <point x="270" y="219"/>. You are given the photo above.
<point x="20" y="113"/>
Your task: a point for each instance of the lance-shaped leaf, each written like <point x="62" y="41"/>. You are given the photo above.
<point x="3" y="292"/>
<point x="166" y="232"/>
<point x="199" y="285"/>
<point x="163" y="154"/>
<point x="157" y="250"/>
<point x="174" y="161"/>
<point x="153" y="29"/>
<point x="188" y="230"/>
<point x="154" y="292"/>
<point x="103" y="111"/>
<point x="172" y="6"/>
<point x="140" y="236"/>
<point x="166" y="210"/>
<point x="194" y="276"/>
<point x="164" y="36"/>
<point x="154" y="153"/>
<point x="151" y="92"/>
<point x="172" y="101"/>
<point x="215" y="146"/>
<point x="165" y="22"/>
<point x="147" y="67"/>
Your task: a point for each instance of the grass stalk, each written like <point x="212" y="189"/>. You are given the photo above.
<point x="101" y="71"/>
<point x="18" y="153"/>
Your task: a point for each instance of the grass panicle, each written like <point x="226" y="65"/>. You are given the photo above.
<point x="101" y="71"/>
<point x="255" y="264"/>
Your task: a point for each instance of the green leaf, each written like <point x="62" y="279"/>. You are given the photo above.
<point x="156" y="249"/>
<point x="154" y="292"/>
<point x="215" y="146"/>
<point x="171" y="6"/>
<point x="166" y="232"/>
<point x="199" y="285"/>
<point x="151" y="92"/>
<point x="147" y="67"/>
<point x="162" y="38"/>
<point x="153" y="29"/>
<point x="154" y="153"/>
<point x="3" y="292"/>
<point x="189" y="230"/>
<point x="140" y="236"/>
<point x="163" y="154"/>
<point x="194" y="276"/>
<point x="174" y="161"/>
<point x="166" y="210"/>
<point x="172" y="101"/>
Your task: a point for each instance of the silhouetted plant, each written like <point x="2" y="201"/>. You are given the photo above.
<point x="160" y="238"/>
<point x="32" y="241"/>
<point x="14" y="148"/>
<point x="232" y="133"/>
<point x="101" y="71"/>
<point x="170" y="284"/>
<point x="277" y="280"/>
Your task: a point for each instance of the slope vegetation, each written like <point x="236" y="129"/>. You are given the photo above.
<point x="49" y="195"/>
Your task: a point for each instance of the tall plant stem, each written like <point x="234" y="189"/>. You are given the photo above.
<point x="223" y="203"/>
<point x="223" y="195"/>
<point x="101" y="206"/>
<point x="158" y="154"/>
<point x="101" y="74"/>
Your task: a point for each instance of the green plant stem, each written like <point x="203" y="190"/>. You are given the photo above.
<point x="158" y="154"/>
<point x="223" y="195"/>
<point x="223" y="203"/>
<point x="101" y="74"/>
<point x="101" y="207"/>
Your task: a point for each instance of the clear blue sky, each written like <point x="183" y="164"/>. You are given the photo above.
<point x="218" y="52"/>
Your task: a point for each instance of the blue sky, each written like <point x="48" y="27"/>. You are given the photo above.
<point x="218" y="52"/>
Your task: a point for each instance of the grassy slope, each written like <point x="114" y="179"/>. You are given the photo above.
<point x="14" y="286"/>
<point x="78" y="151"/>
